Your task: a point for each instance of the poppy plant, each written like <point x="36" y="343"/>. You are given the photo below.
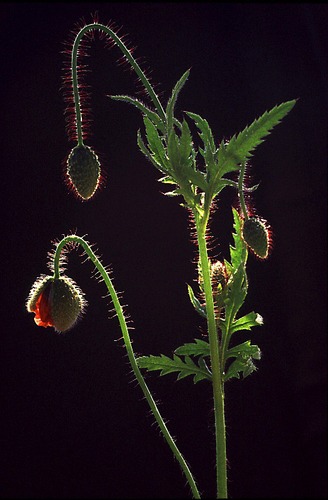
<point x="196" y="175"/>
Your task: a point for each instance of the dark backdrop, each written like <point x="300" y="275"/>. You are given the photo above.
<point x="73" y="422"/>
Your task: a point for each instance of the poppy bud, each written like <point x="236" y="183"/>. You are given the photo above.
<point x="56" y="302"/>
<point x="83" y="171"/>
<point x="256" y="235"/>
<point x="219" y="275"/>
<point x="219" y="278"/>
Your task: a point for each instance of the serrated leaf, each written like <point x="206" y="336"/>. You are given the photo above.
<point x="167" y="180"/>
<point x="143" y="148"/>
<point x="144" y="109"/>
<point x="206" y="135"/>
<point x="171" y="103"/>
<point x="176" y="192"/>
<point x="155" y="144"/>
<point x="240" y="367"/>
<point x="246" y="322"/>
<point x="238" y="253"/>
<point x="195" y="302"/>
<point x="185" y="144"/>
<point x="244" y="350"/>
<point x="166" y="365"/>
<point x="235" y="295"/>
<point x="236" y="289"/>
<point x="240" y="147"/>
<point x="197" y="348"/>
<point x="243" y="364"/>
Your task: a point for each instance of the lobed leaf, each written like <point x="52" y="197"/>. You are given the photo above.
<point x="197" y="348"/>
<point x="238" y="253"/>
<point x="243" y="364"/>
<point x="167" y="365"/>
<point x="155" y="144"/>
<point x="246" y="322"/>
<point x="171" y="103"/>
<point x="143" y="148"/>
<point x="206" y="135"/>
<point x="240" y="147"/>
<point x="245" y="349"/>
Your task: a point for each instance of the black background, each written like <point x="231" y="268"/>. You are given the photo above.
<point x="73" y="422"/>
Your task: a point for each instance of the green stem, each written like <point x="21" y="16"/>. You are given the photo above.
<point x="129" y="349"/>
<point x="218" y="388"/>
<point x="127" y="55"/>
<point x="241" y="190"/>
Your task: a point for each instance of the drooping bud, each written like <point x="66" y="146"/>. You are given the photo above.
<point x="257" y="236"/>
<point x="56" y="302"/>
<point x="83" y="171"/>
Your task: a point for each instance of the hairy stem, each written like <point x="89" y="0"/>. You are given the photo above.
<point x="241" y="191"/>
<point x="129" y="349"/>
<point x="127" y="54"/>
<point x="218" y="388"/>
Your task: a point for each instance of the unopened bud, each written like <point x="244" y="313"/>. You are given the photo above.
<point x="257" y="236"/>
<point x="83" y="171"/>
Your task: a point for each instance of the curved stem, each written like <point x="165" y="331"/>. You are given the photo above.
<point x="127" y="55"/>
<point x="218" y="388"/>
<point x="130" y="352"/>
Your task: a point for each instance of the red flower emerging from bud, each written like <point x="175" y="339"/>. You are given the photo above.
<point x="56" y="302"/>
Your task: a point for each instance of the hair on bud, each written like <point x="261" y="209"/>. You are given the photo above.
<point x="257" y="235"/>
<point x="56" y="302"/>
<point x="83" y="171"/>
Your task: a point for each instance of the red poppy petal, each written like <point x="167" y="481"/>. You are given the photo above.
<point x="42" y="310"/>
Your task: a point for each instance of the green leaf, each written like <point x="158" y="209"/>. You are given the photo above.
<point x="240" y="147"/>
<point x="155" y="144"/>
<point x="238" y="253"/>
<point x="143" y="148"/>
<point x="184" y="367"/>
<point x="181" y="156"/>
<point x="197" y="348"/>
<point x="185" y="145"/>
<point x="244" y="350"/>
<point x="144" y="109"/>
<point x="210" y="150"/>
<point x="236" y="289"/>
<point x="243" y="364"/>
<point x="246" y="322"/>
<point x="235" y="295"/>
<point x="171" y="103"/>
<point x="167" y="180"/>
<point x="195" y="302"/>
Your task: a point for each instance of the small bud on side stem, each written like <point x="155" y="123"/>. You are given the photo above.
<point x="257" y="236"/>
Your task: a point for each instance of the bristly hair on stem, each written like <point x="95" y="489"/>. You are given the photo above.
<point x="75" y="89"/>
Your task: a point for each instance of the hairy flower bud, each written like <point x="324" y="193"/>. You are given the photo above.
<point x="56" y="302"/>
<point x="257" y="236"/>
<point x="219" y="275"/>
<point x="219" y="278"/>
<point x="83" y="171"/>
